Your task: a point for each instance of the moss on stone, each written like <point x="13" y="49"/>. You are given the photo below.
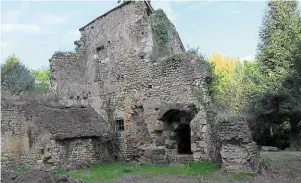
<point x="161" y="31"/>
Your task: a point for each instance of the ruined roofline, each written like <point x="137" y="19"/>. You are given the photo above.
<point x="117" y="7"/>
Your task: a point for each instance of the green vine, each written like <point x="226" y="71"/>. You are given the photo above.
<point x="161" y="30"/>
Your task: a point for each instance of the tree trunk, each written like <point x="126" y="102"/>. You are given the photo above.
<point x="295" y="143"/>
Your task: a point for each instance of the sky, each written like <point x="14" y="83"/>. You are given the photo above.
<point x="34" y="30"/>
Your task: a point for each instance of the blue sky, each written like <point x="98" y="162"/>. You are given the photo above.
<point x="34" y="30"/>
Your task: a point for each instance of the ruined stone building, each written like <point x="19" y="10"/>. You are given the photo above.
<point x="134" y="56"/>
<point x="47" y="135"/>
<point x="132" y="59"/>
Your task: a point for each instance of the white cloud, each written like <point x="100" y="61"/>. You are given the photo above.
<point x="24" y="28"/>
<point x="248" y="58"/>
<point x="53" y="19"/>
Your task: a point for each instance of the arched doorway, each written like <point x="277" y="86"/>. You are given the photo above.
<point x="177" y="130"/>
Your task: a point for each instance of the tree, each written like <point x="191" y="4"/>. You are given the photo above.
<point x="279" y="98"/>
<point x="278" y="36"/>
<point x="15" y="77"/>
<point x="222" y="71"/>
<point x="42" y="79"/>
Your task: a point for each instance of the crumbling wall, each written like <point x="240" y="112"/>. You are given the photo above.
<point x="166" y="39"/>
<point x="16" y="137"/>
<point x="28" y="142"/>
<point x="237" y="149"/>
<point x="136" y="57"/>
<point x="175" y="81"/>
<point x="68" y="78"/>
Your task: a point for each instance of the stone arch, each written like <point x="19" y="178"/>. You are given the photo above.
<point x="168" y="109"/>
<point x="177" y="132"/>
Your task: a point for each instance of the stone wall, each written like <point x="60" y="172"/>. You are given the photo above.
<point x="68" y="78"/>
<point x="16" y="142"/>
<point x="26" y="142"/>
<point x="135" y="56"/>
<point x="237" y="149"/>
<point x="80" y="152"/>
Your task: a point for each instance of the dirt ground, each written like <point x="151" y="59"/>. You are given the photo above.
<point x="35" y="176"/>
<point x="281" y="167"/>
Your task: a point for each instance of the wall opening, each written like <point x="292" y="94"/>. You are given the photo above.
<point x="98" y="51"/>
<point x="177" y="126"/>
<point x="120" y="125"/>
<point x="183" y="139"/>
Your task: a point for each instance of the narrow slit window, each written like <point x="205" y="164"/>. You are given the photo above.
<point x="120" y="125"/>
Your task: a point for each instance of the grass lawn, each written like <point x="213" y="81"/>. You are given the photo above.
<point x="112" y="171"/>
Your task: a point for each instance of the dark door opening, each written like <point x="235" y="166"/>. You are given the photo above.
<point x="183" y="139"/>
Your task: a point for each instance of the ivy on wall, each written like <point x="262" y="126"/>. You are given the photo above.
<point x="161" y="30"/>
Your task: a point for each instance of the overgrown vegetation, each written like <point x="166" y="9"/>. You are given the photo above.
<point x="279" y="63"/>
<point x="161" y="32"/>
<point x="17" y="78"/>
<point x="42" y="79"/>
<point x="115" y="170"/>
<point x="114" y="135"/>
<point x="268" y="91"/>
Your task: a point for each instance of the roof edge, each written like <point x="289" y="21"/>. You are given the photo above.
<point x="115" y="8"/>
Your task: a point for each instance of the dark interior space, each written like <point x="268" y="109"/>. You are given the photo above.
<point x="183" y="139"/>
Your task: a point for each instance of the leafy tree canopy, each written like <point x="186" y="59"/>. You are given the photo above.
<point x="15" y="77"/>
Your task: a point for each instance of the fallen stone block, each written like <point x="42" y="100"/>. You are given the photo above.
<point x="269" y="148"/>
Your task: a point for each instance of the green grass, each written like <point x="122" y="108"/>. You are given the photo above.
<point x="242" y="175"/>
<point x="115" y="170"/>
<point x="267" y="160"/>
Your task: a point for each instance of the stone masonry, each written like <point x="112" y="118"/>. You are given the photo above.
<point x="134" y="55"/>
<point x="237" y="149"/>
<point x="39" y="135"/>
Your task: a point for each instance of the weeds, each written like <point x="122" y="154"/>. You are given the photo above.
<point x="21" y="170"/>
